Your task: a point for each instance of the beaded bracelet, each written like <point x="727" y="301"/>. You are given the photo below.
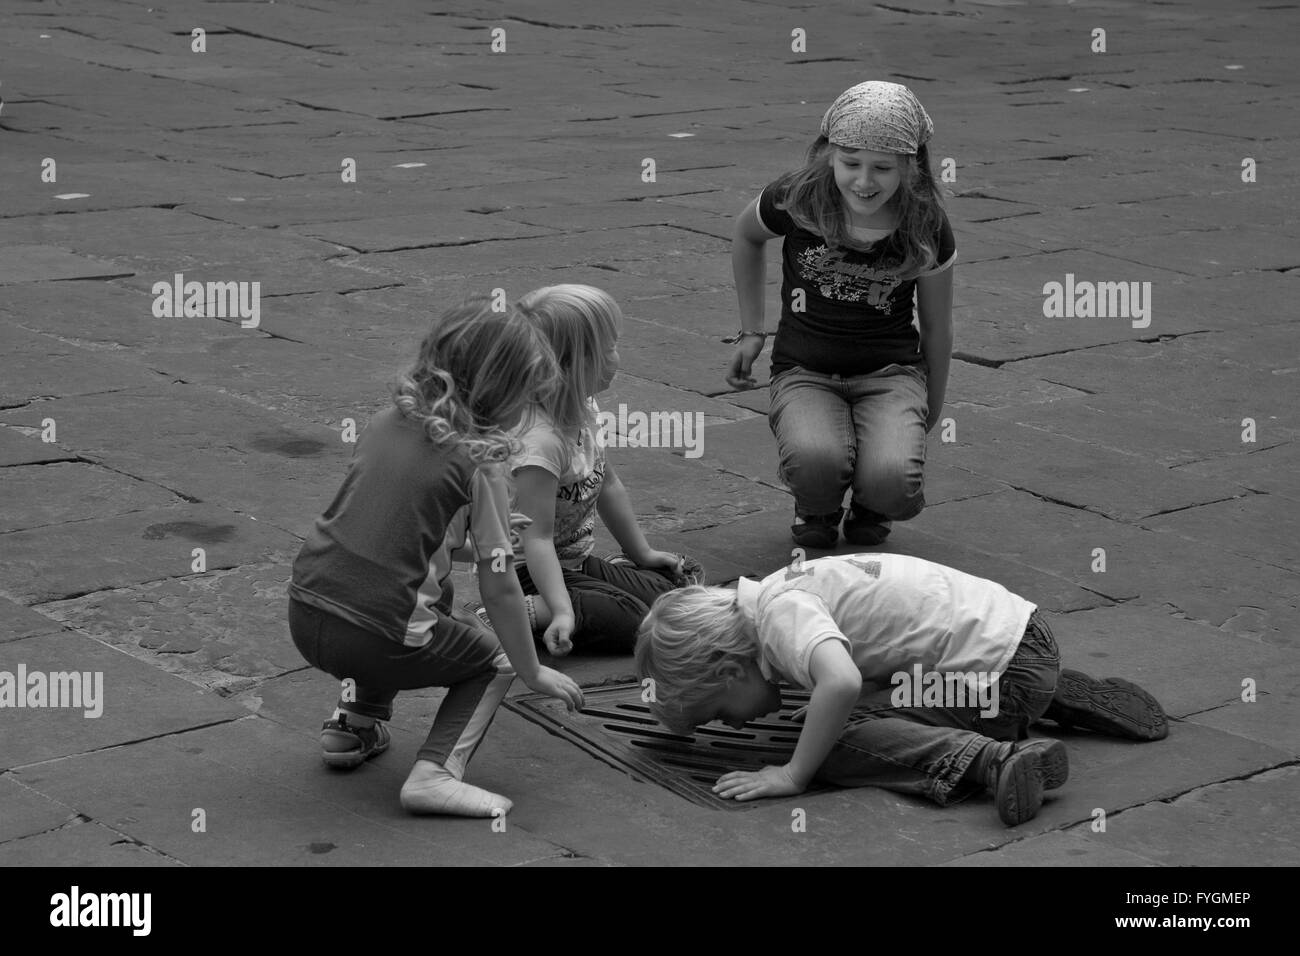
<point x="733" y="339"/>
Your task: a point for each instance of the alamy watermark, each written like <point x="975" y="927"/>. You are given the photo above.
<point x="637" y="429"/>
<point x="179" y="299"/>
<point x="1098" y="300"/>
<point x="79" y="690"/>
<point x="922" y="688"/>
<point x="75" y="908"/>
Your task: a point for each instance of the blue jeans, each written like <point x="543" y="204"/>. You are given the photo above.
<point x="926" y="750"/>
<point x="462" y="656"/>
<point x="609" y="601"/>
<point x="866" y="432"/>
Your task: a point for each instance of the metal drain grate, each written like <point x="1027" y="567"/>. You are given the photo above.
<point x="617" y="728"/>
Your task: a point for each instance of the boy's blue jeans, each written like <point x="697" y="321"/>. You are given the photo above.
<point x="866" y="432"/>
<point x="926" y="750"/>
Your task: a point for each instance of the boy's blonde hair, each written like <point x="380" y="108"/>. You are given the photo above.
<point x="476" y="369"/>
<point x="581" y="323"/>
<point x="682" y="645"/>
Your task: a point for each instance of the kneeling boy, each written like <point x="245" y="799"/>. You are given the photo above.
<point x="858" y="631"/>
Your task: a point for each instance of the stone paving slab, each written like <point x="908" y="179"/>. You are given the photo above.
<point x="1271" y="471"/>
<point x="1133" y="423"/>
<point x="672" y="494"/>
<point x="1262" y="527"/>
<point x="105" y="318"/>
<point x="34" y="735"/>
<point x="1204" y="583"/>
<point x="1247" y="822"/>
<point x="1072" y="471"/>
<point x="1061" y="849"/>
<point x="714" y="315"/>
<point x="58" y="561"/>
<point x="267" y="798"/>
<point x="220" y="629"/>
<point x="41" y="263"/>
<point x="276" y="277"/>
<point x="310" y="384"/>
<point x="27" y="812"/>
<point x="81" y="843"/>
<point x="107" y="233"/>
<point x="18" y="622"/>
<point x="1272" y="717"/>
<point x="1190" y="382"/>
<point x="47" y="367"/>
<point x="647" y="395"/>
<point x="73" y="491"/>
<point x="267" y="467"/>
<point x="995" y="327"/>
<point x="17" y="448"/>
<point x="413" y="232"/>
<point x="1204" y="254"/>
<point x="1005" y="387"/>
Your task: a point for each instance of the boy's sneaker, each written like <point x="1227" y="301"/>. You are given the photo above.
<point x="817" y="531"/>
<point x="344" y="747"/>
<point x="866" y="528"/>
<point x="1018" y="777"/>
<point x="1111" y="706"/>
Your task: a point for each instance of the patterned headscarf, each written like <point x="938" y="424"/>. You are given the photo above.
<point x="886" y="117"/>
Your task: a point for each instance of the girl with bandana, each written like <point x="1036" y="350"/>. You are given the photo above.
<point x="857" y="383"/>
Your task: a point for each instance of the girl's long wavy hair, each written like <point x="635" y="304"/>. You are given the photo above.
<point x="476" y="370"/>
<point x="813" y="201"/>
<point x="581" y="323"/>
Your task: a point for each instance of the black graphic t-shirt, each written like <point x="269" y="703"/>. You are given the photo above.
<point x="857" y="313"/>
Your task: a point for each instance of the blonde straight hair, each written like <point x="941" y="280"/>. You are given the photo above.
<point x="581" y="323"/>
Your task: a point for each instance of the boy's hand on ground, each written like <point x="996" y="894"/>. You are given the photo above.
<point x="752" y="784"/>
<point x="559" y="635"/>
<point x="554" y="684"/>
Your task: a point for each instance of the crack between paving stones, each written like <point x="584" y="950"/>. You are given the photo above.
<point x="129" y="743"/>
<point x="1199" y="504"/>
<point x="320" y="48"/>
<point x="1111" y="814"/>
<point x="1197" y="461"/>
<point x="1069" y="504"/>
<point x="76" y="820"/>
<point x="535" y="23"/>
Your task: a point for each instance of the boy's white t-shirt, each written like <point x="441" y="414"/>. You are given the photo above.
<point x="891" y="611"/>
<point x="579" y="467"/>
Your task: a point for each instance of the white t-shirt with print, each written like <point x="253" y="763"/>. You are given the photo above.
<point x="579" y="467"/>
<point x="890" y="611"/>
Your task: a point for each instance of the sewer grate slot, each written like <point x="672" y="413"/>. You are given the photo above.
<point x="616" y="728"/>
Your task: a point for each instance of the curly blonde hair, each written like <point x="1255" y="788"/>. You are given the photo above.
<point x="476" y="370"/>
<point x="683" y="644"/>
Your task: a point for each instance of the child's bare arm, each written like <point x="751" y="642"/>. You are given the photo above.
<point x="836" y="683"/>
<point x="615" y="509"/>
<point x="749" y="268"/>
<point x="504" y="600"/>
<point x="934" y="314"/>
<point x="535" y="490"/>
